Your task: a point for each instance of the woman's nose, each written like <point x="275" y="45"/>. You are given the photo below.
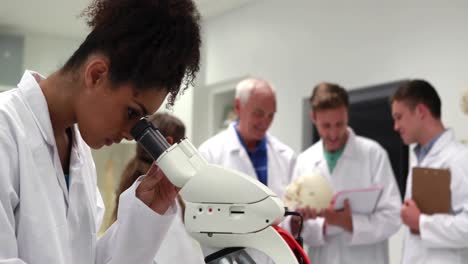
<point x="126" y="134"/>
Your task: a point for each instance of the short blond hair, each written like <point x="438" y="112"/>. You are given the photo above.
<point x="328" y="96"/>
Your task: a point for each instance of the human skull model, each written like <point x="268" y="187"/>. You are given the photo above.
<point x="311" y="190"/>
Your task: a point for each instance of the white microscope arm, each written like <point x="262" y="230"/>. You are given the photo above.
<point x="224" y="208"/>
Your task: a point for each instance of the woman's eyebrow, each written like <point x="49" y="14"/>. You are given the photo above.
<point x="143" y="108"/>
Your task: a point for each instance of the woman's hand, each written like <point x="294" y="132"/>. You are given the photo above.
<point x="156" y="191"/>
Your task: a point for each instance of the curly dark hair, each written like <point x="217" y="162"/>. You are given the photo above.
<point x="151" y="44"/>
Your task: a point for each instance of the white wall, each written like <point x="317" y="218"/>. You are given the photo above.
<point x="47" y="53"/>
<point x="296" y="44"/>
<point x="4" y="88"/>
<point x="182" y="108"/>
<point x="44" y="53"/>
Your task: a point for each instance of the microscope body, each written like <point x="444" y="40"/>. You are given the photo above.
<point x="224" y="207"/>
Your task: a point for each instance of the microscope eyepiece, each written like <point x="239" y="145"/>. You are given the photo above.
<point x="149" y="137"/>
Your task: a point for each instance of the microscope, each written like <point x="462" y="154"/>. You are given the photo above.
<point x="224" y="208"/>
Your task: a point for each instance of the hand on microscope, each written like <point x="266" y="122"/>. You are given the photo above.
<point x="155" y="189"/>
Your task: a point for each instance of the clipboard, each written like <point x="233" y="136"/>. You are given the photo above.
<point x="431" y="190"/>
<point x="362" y="201"/>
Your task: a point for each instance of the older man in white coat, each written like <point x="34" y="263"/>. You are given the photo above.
<point x="247" y="147"/>
<point x="438" y="238"/>
<point x="347" y="161"/>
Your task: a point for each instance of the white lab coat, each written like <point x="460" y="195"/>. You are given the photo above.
<point x="443" y="238"/>
<point x="41" y="221"/>
<point x="226" y="150"/>
<point x="178" y="246"/>
<point x="363" y="163"/>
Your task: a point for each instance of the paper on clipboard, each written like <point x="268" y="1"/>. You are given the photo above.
<point x="362" y="201"/>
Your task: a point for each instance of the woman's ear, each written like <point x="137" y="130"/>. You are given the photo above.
<point x="96" y="72"/>
<point x="170" y="140"/>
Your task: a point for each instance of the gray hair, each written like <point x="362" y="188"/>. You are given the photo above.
<point x="245" y="87"/>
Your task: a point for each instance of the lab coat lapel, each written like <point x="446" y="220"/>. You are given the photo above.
<point x="82" y="199"/>
<point x="274" y="173"/>
<point x="239" y="153"/>
<point x="342" y="165"/>
<point x="447" y="137"/>
<point x="321" y="164"/>
<point x="37" y="104"/>
<point x="350" y="146"/>
<point x="76" y="162"/>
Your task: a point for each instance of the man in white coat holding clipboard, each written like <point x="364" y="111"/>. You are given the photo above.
<point x="437" y="238"/>
<point x="347" y="161"/>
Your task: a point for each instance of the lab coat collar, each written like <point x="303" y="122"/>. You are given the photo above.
<point x="348" y="152"/>
<point x="235" y="145"/>
<point x="350" y="146"/>
<point x="37" y="104"/>
<point x="447" y="136"/>
<point x="349" y="149"/>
